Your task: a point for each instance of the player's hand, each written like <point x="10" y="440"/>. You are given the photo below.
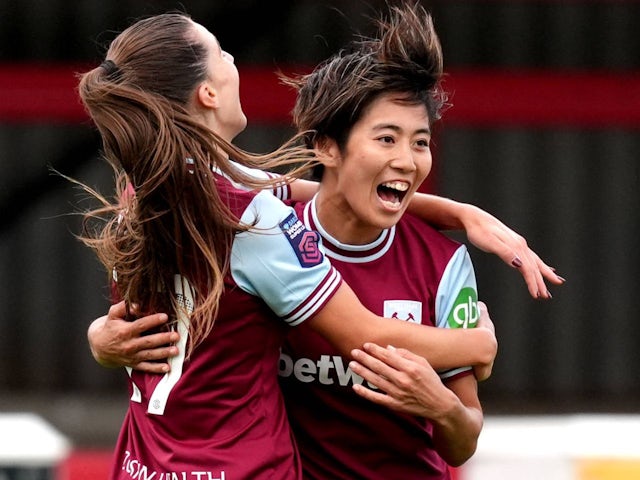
<point x="483" y="371"/>
<point x="407" y="382"/>
<point x="491" y="235"/>
<point x="116" y="342"/>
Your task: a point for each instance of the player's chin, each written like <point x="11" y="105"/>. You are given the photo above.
<point x="389" y="218"/>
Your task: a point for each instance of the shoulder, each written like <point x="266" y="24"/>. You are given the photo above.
<point x="417" y="228"/>
<point x="242" y="201"/>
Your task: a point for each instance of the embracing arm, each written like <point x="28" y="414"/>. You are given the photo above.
<point x="482" y="229"/>
<point x="490" y="235"/>
<point x="457" y="428"/>
<point x="303" y="190"/>
<point x="347" y="324"/>
<point x="117" y="342"/>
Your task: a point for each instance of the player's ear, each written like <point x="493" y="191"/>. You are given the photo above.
<point x="206" y="96"/>
<point x="330" y="152"/>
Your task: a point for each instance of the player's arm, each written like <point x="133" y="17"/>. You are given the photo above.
<point x="408" y="384"/>
<point x="344" y="321"/>
<point x="348" y="325"/>
<point x="456" y="430"/>
<point x="482" y="229"/>
<point x="303" y="190"/>
<point x="307" y="288"/>
<point x="490" y="235"/>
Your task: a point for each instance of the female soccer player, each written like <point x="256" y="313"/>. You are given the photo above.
<point x="371" y="109"/>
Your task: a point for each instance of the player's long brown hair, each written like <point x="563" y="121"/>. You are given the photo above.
<point x="404" y="58"/>
<point x="175" y="221"/>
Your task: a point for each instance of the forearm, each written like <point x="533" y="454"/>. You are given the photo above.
<point x="303" y="190"/>
<point x="446" y="348"/>
<point x="456" y="431"/>
<point x="442" y="213"/>
<point x="347" y="325"/>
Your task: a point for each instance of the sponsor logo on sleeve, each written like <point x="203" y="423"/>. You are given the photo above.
<point x="303" y="241"/>
<point x="464" y="313"/>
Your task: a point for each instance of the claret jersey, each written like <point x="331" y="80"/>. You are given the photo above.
<point x="220" y="414"/>
<point x="411" y="272"/>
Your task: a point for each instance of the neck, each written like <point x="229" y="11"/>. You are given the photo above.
<point x="341" y="222"/>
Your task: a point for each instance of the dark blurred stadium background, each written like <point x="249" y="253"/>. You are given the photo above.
<point x="544" y="132"/>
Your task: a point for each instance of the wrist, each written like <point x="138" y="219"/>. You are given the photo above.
<point x="467" y="215"/>
<point x="487" y="347"/>
<point x="449" y="411"/>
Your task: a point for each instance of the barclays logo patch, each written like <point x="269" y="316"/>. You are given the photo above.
<point x="303" y="241"/>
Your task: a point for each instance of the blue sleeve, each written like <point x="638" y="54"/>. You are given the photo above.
<point x="280" y="261"/>
<point x="457" y="298"/>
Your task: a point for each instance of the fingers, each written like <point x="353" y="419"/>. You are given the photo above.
<point x="524" y="260"/>
<point x="154" y="360"/>
<point x="152" y="367"/>
<point x="549" y="272"/>
<point x="485" y="320"/>
<point x="375" y="360"/>
<point x="145" y="324"/>
<point x="375" y="397"/>
<point x="389" y="367"/>
<point x="136" y="328"/>
<point x="116" y="342"/>
<point x="117" y="311"/>
<point x="532" y="274"/>
<point x="482" y="372"/>
<point x="535" y="272"/>
<point x="513" y="249"/>
<point x="149" y="353"/>
<point x="389" y="358"/>
<point x="156" y="343"/>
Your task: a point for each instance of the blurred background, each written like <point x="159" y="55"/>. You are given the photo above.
<point x="544" y="133"/>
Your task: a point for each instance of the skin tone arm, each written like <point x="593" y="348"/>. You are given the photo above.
<point x="483" y="230"/>
<point x="490" y="235"/>
<point x="441" y="347"/>
<point x="116" y="342"/>
<point x="410" y="385"/>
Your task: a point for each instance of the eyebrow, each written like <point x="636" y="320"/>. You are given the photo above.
<point x="396" y="128"/>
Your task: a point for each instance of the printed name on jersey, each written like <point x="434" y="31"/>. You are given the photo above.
<point x="137" y="470"/>
<point x="408" y="310"/>
<point x="465" y="312"/>
<point x="304" y="242"/>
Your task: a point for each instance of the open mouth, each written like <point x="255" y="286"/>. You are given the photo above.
<point x="392" y="193"/>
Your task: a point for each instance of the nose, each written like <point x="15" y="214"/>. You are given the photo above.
<point x="226" y="55"/>
<point x="405" y="159"/>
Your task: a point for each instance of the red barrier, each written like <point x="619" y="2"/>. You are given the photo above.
<point x="47" y="93"/>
